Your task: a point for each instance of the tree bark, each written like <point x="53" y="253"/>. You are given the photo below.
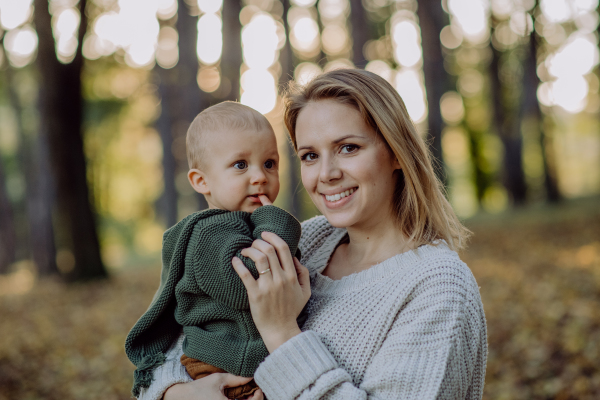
<point x="61" y="117"/>
<point x="33" y="157"/>
<point x="432" y="19"/>
<point x="360" y="32"/>
<point x="8" y="237"/>
<point x="231" y="59"/>
<point x="531" y="108"/>
<point x="508" y="126"/>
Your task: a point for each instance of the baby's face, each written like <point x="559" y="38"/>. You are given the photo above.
<point x="238" y="166"/>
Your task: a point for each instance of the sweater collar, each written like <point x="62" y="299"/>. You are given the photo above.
<point x="400" y="263"/>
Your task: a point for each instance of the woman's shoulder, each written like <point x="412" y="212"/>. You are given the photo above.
<point x="441" y="271"/>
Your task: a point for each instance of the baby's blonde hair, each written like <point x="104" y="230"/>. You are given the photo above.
<point x="421" y="209"/>
<point x="226" y="115"/>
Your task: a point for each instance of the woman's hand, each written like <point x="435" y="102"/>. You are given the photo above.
<point x="279" y="294"/>
<point x="209" y="388"/>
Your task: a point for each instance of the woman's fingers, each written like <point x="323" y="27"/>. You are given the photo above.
<point x="244" y="274"/>
<point x="261" y="260"/>
<point x="303" y="278"/>
<point x="261" y="250"/>
<point x="282" y="250"/>
<point x="229" y="380"/>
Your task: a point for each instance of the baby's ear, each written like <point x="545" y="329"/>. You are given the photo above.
<point x="198" y="181"/>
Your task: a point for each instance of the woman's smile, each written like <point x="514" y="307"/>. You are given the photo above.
<point x="339" y="198"/>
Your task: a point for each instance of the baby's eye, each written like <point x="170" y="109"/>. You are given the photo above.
<point x="349" y="148"/>
<point x="240" y="165"/>
<point x="310" y="156"/>
<point x="270" y="164"/>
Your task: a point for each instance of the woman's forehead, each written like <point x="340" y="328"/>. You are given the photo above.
<point x="327" y="121"/>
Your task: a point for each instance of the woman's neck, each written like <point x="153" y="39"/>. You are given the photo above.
<point x="368" y="245"/>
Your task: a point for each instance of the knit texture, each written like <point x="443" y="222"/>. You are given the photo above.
<point x="411" y="327"/>
<point x="201" y="292"/>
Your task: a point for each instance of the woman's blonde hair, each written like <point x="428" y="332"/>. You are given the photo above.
<point x="423" y="212"/>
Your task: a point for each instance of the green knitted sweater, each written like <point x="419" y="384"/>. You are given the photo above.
<point x="200" y="292"/>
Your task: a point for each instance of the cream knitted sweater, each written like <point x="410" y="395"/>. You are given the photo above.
<point x="411" y="327"/>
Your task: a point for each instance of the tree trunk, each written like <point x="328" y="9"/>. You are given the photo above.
<point x="8" y="237"/>
<point x="508" y="127"/>
<point x="432" y="19"/>
<point x="231" y="59"/>
<point x="360" y="32"/>
<point x="33" y="157"/>
<point x="286" y="59"/>
<point x="164" y="124"/>
<point x="531" y="108"/>
<point x="61" y="115"/>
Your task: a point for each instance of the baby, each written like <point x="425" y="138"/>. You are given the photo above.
<point x="233" y="159"/>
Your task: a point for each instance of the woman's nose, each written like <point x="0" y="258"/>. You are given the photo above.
<point x="330" y="171"/>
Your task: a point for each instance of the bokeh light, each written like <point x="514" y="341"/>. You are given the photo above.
<point x="305" y="72"/>
<point x="409" y="86"/>
<point x="167" y="52"/>
<point x="472" y="17"/>
<point x="20" y="45"/>
<point x="14" y="13"/>
<point x="260" y="47"/>
<point x="209" y="51"/>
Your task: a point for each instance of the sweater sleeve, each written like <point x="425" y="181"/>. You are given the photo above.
<point x="170" y="373"/>
<point x="225" y="237"/>
<point x="436" y="349"/>
<point x="215" y="243"/>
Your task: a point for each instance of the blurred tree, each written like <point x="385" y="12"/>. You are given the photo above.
<point x="8" y="237"/>
<point x="181" y="101"/>
<point x="506" y="73"/>
<point x="61" y="115"/>
<point x="8" y="234"/>
<point x="286" y="58"/>
<point x="33" y="157"/>
<point x="360" y="32"/>
<point x="531" y="109"/>
<point x="432" y="19"/>
<point x="231" y="58"/>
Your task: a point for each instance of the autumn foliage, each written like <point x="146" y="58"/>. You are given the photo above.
<point x="539" y="273"/>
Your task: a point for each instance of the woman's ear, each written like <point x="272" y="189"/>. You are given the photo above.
<point x="198" y="181"/>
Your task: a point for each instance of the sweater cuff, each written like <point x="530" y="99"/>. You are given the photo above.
<point x="167" y="375"/>
<point x="294" y="366"/>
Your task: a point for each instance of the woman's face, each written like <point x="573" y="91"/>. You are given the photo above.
<point x="346" y="167"/>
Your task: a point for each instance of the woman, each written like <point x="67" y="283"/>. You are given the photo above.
<point x="393" y="311"/>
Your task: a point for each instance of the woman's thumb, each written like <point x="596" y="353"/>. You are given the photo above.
<point x="302" y="272"/>
<point x="229" y="380"/>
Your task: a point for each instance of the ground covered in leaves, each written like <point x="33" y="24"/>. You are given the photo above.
<point x="539" y="272"/>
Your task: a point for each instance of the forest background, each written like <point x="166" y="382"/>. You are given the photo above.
<point x="96" y="97"/>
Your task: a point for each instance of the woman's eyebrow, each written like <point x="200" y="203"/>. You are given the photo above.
<point x="336" y="141"/>
<point x="347" y="137"/>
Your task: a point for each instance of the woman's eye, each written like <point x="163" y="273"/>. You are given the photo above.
<point x="349" y="148"/>
<point x="308" y="157"/>
<point x="240" y="165"/>
<point x="270" y="164"/>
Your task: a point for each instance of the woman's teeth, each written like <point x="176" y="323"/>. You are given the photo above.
<point x="338" y="196"/>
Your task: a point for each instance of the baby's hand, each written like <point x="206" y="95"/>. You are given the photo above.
<point x="265" y="200"/>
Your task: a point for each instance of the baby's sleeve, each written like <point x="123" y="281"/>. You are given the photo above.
<point x="276" y="220"/>
<point x="214" y="246"/>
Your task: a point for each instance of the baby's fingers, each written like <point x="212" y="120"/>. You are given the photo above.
<point x="244" y="274"/>
<point x="265" y="200"/>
